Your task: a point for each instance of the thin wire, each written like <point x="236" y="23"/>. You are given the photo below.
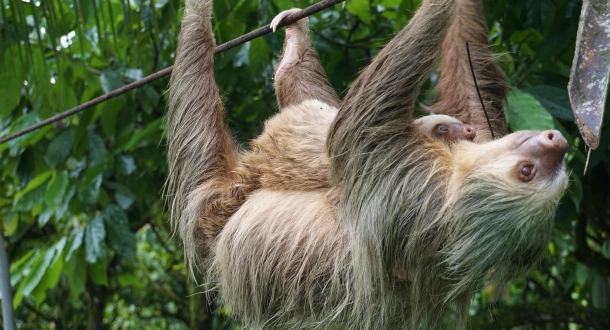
<point x="478" y="92"/>
<point x="162" y="73"/>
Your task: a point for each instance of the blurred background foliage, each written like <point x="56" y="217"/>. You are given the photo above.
<point x="80" y="201"/>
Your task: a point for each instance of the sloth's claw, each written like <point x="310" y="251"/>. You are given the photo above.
<point x="278" y="19"/>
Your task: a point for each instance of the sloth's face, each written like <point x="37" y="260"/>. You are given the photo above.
<point x="524" y="160"/>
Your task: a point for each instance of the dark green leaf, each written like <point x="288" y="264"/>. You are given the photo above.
<point x="554" y="99"/>
<point x="150" y="129"/>
<point x="94" y="239"/>
<point x="60" y="147"/>
<point x="125" y="164"/>
<point x="11" y="81"/>
<point x="119" y="236"/>
<point x="600" y="292"/>
<point x="98" y="272"/>
<point x="97" y="148"/>
<point x="110" y="80"/>
<point x="56" y="189"/>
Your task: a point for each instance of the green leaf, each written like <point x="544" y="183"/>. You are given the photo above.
<point x="12" y="223"/>
<point x="31" y="200"/>
<point x="98" y="272"/>
<point x="110" y="80"/>
<point x="119" y="236"/>
<point x="94" y="238"/>
<point x="541" y="13"/>
<point x="150" y="129"/>
<point x="75" y="269"/>
<point x="97" y="148"/>
<point x="21" y="267"/>
<point x="524" y="112"/>
<point x="11" y="81"/>
<point x="110" y="115"/>
<point x="51" y="276"/>
<point x="554" y="99"/>
<point x="258" y="56"/>
<point x="59" y="149"/>
<point x="90" y="186"/>
<point x="583" y="273"/>
<point x="606" y="248"/>
<point x="44" y="216"/>
<point x="77" y="241"/>
<point x="600" y="293"/>
<point x="35" y="183"/>
<point x="56" y="189"/>
<point x="125" y="164"/>
<point x="30" y="282"/>
<point x="360" y="8"/>
<point x="124" y="197"/>
<point x="242" y="58"/>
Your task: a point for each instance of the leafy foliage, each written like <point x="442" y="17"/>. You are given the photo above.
<point x="81" y="206"/>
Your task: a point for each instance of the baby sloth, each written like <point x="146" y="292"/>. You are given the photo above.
<point x="445" y="127"/>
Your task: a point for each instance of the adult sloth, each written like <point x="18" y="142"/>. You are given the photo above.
<point x="407" y="224"/>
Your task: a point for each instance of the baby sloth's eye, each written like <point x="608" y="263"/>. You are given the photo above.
<point x="442" y="129"/>
<point x="527" y="172"/>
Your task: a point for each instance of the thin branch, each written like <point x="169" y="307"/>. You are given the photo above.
<point x="136" y="84"/>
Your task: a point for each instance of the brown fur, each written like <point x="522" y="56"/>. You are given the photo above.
<point x="299" y="75"/>
<point x="409" y="225"/>
<point x="457" y="92"/>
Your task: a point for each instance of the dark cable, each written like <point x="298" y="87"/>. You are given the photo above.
<point x="476" y="86"/>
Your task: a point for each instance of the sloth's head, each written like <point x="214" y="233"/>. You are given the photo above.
<point x="507" y="193"/>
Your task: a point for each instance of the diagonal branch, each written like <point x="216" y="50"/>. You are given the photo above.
<point x="159" y="74"/>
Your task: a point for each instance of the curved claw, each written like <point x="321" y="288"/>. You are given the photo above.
<point x="278" y="19"/>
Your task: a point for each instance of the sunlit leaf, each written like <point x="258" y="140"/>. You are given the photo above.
<point x="524" y="112"/>
<point x="360" y="8"/>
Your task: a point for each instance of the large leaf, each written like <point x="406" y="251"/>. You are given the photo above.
<point x="56" y="189"/>
<point x="96" y="148"/>
<point x="94" y="240"/>
<point x="60" y="147"/>
<point x="118" y="234"/>
<point x="524" y="112"/>
<point x="360" y="8"/>
<point x="11" y="81"/>
<point x="29" y="283"/>
<point x="51" y="277"/>
<point x="554" y="99"/>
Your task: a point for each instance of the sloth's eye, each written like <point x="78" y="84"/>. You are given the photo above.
<point x="442" y="129"/>
<point x="527" y="172"/>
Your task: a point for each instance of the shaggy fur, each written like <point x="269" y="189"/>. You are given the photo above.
<point x="457" y="92"/>
<point x="299" y="75"/>
<point x="389" y="230"/>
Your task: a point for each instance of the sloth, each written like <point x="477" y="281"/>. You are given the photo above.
<point x="379" y="223"/>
